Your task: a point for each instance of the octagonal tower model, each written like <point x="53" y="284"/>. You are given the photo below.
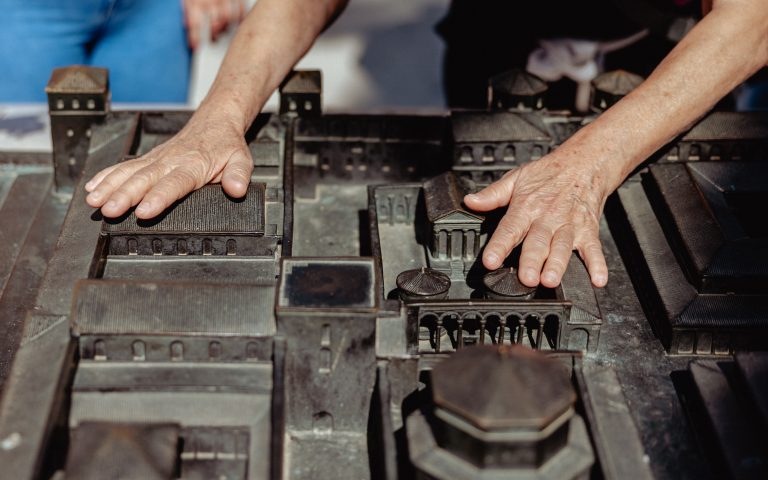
<point x="518" y="422"/>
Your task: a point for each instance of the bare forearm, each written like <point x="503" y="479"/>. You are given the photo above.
<point x="272" y="38"/>
<point x="724" y="49"/>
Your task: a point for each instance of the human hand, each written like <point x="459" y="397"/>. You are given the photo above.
<point x="204" y="151"/>
<point x="554" y="207"/>
<point x="220" y="14"/>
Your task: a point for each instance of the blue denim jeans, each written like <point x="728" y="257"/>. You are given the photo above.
<point x="142" y="43"/>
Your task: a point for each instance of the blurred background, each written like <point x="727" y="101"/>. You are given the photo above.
<point x="380" y="55"/>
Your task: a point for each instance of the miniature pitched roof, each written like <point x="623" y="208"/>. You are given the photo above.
<point x="518" y="82"/>
<point x="443" y="198"/>
<point x="617" y="82"/>
<point x="303" y="81"/>
<point x="78" y="79"/>
<point x="495" y="127"/>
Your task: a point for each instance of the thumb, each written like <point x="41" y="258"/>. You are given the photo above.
<point x="237" y="173"/>
<point x="493" y="196"/>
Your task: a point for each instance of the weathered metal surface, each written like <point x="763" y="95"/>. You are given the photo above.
<point x="33" y="399"/>
<point x="169" y="338"/>
<point x="529" y="390"/>
<point x="35" y="248"/>
<point x="326" y="314"/>
<point x="17" y="215"/>
<point x="697" y="261"/>
<point x="609" y="417"/>
<point x="130" y="451"/>
<point x="723" y="419"/>
<point x="520" y="423"/>
<point x="104" y="307"/>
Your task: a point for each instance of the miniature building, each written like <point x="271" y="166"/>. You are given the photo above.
<point x="738" y="136"/>
<point x="696" y="237"/>
<point x="301" y="93"/>
<point x="212" y="223"/>
<point x="78" y="98"/>
<point x="326" y="312"/>
<point x="500" y="412"/>
<point x="516" y="90"/>
<point x="610" y="87"/>
<point x="455" y="242"/>
<point x="488" y="144"/>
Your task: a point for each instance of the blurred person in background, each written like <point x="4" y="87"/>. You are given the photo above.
<point x="553" y="205"/>
<point x="145" y="44"/>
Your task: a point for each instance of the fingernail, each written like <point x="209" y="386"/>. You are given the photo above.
<point x="111" y="204"/>
<point x="530" y="274"/>
<point x="473" y="196"/>
<point x="94" y="195"/>
<point x="550" y="277"/>
<point x="89" y="185"/>
<point x="143" y="208"/>
<point x="492" y="258"/>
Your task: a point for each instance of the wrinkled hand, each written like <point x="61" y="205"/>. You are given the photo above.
<point x="204" y="151"/>
<point x="554" y="207"/>
<point x="220" y="14"/>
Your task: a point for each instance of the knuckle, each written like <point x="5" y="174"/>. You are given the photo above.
<point x="510" y="227"/>
<point x="539" y="237"/>
<point x="557" y="263"/>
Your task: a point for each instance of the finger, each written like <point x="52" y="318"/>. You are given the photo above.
<point x="560" y="251"/>
<point x="510" y="231"/>
<point x="591" y="251"/>
<point x="237" y="173"/>
<point x="165" y="192"/>
<point x="219" y="16"/>
<point x="535" y="251"/>
<point x="96" y="179"/>
<point x="494" y="195"/>
<point x="132" y="190"/>
<point x="112" y="181"/>
<point x="194" y="26"/>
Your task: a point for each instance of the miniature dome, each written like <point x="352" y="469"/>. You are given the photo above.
<point x="610" y="87"/>
<point x="504" y="283"/>
<point x="423" y="282"/>
<point x="516" y="88"/>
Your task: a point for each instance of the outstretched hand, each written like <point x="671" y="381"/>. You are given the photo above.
<point x="204" y="151"/>
<point x="553" y="207"/>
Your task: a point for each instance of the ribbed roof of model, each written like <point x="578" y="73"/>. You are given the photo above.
<point x="617" y="82"/>
<point x="518" y="82"/>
